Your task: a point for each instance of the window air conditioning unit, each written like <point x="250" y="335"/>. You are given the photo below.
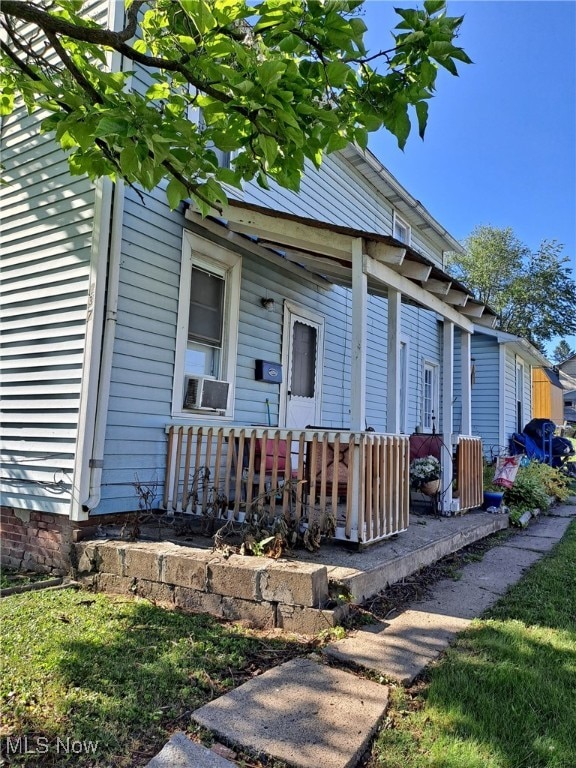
<point x="203" y="393"/>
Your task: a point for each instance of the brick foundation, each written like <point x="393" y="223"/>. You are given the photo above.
<point x="40" y="541"/>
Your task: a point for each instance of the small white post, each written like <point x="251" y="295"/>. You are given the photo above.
<point x="447" y="413"/>
<point x="466" y="383"/>
<point x="393" y="362"/>
<point x="358" y="361"/>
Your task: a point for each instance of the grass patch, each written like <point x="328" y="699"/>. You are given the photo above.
<point x="117" y="671"/>
<point x="12" y="578"/>
<point x="504" y="696"/>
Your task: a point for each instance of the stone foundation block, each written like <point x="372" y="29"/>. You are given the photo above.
<point x="141" y="563"/>
<point x="259" y="615"/>
<point x="186" y="570"/>
<point x="109" y="557"/>
<point x="87" y="559"/>
<point x="111" y="582"/>
<point x="309" y="621"/>
<point x="295" y="583"/>
<point x="235" y="577"/>
<point x="194" y="601"/>
<point x="154" y="591"/>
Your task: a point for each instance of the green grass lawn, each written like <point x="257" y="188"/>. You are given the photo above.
<point x="117" y="671"/>
<point x="504" y="696"/>
<point x="124" y="674"/>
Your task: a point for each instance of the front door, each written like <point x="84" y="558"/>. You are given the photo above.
<point x="303" y="345"/>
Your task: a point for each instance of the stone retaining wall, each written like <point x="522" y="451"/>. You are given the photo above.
<point x="262" y="592"/>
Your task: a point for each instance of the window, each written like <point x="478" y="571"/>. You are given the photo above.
<point x="400" y="229"/>
<point x="207" y="316"/>
<point x="430" y="398"/>
<point x="224" y="158"/>
<point x="519" y="396"/>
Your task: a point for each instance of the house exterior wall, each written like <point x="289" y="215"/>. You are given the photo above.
<point x="145" y="345"/>
<point x="47" y="222"/>
<point x="486" y="401"/>
<point x="48" y="285"/>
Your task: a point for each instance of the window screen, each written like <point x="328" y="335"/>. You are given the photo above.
<point x="303" y="360"/>
<point x="206" y="308"/>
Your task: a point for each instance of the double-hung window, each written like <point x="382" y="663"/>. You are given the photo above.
<point x="401" y="229"/>
<point x="207" y="318"/>
<point x="430" y="399"/>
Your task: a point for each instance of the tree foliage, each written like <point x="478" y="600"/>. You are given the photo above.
<point x="278" y="81"/>
<point x="562" y="351"/>
<point x="532" y="291"/>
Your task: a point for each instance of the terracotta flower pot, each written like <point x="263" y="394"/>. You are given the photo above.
<point x="430" y="488"/>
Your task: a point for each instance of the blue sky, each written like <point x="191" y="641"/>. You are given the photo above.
<point x="500" y="147"/>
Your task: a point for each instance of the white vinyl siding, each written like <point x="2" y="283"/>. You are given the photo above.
<point x="47" y="220"/>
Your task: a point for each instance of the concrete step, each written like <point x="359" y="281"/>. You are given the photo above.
<point x="182" y="752"/>
<point x="426" y="541"/>
<point x="303" y="712"/>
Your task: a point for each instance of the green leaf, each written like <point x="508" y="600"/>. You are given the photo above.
<point x="269" y="147"/>
<point x="270" y="72"/>
<point x="337" y="142"/>
<point x="432" y="6"/>
<point x="422" y="114"/>
<point x="113" y="126"/>
<point x="337" y="73"/>
<point x="175" y="192"/>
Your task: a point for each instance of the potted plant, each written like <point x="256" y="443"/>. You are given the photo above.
<point x="425" y="475"/>
<point x="493" y="493"/>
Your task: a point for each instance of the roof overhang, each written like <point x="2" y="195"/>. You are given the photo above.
<point x="325" y="250"/>
<point x="519" y="346"/>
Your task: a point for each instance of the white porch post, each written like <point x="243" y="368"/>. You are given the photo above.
<point x="447" y="413"/>
<point x="358" y="361"/>
<point x="358" y="379"/>
<point x="466" y="383"/>
<point x="393" y="362"/>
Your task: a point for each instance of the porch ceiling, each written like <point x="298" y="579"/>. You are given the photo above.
<point x="326" y="249"/>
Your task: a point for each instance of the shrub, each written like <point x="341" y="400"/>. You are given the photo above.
<point x="528" y="491"/>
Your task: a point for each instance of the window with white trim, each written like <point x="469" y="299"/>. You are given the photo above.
<point x="208" y="309"/>
<point x="224" y="157"/>
<point x="519" y="395"/>
<point x="401" y="229"/>
<point x="430" y="397"/>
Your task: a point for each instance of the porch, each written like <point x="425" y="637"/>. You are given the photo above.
<point x="349" y="486"/>
<point x="298" y="593"/>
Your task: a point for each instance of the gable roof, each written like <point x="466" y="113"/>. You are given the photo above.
<point x="519" y="345"/>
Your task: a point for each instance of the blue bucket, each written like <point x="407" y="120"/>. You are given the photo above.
<point x="492" y="499"/>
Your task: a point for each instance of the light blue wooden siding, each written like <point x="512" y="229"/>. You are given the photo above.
<point x="47" y="219"/>
<point x="486" y="391"/>
<point x="143" y="362"/>
<point x="510" y="425"/>
<point x="339" y="194"/>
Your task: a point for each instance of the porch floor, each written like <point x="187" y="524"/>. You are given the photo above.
<point x="364" y="573"/>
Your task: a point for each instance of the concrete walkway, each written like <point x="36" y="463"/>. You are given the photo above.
<point x="310" y="714"/>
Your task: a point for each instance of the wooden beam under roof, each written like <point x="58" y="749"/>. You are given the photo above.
<point x="456" y="298"/>
<point x="421" y="296"/>
<point x="414" y="270"/>
<point x="288" y="232"/>
<point x="439" y="287"/>
<point x="387" y="254"/>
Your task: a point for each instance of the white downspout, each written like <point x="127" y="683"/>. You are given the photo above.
<point x="92" y="346"/>
<point x="97" y="457"/>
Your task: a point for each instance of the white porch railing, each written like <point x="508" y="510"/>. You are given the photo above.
<point x="360" y="479"/>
